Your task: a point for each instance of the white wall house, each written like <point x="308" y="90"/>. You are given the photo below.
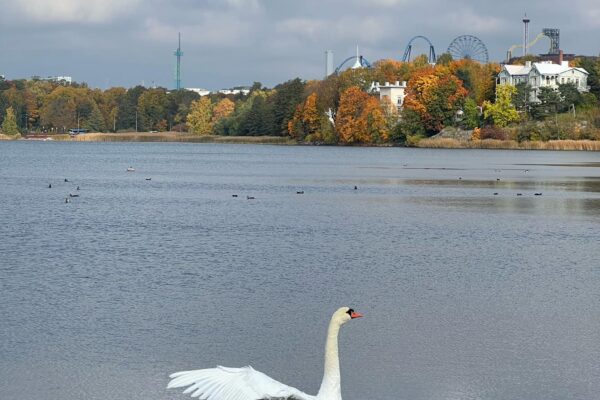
<point x="543" y="74"/>
<point x="394" y="92"/>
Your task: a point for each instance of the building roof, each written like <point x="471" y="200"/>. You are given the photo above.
<point x="544" y="68"/>
<point x="517" y="69"/>
<point x="555" y="69"/>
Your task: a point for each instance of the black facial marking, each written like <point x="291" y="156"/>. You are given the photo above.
<point x="350" y="311"/>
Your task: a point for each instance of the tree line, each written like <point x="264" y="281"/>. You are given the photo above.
<point x="338" y="109"/>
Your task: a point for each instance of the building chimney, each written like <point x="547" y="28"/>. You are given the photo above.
<point x="560" y="57"/>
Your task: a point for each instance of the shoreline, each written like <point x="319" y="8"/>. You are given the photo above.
<point x="427" y="143"/>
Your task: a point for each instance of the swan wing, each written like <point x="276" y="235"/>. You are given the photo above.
<point x="224" y="383"/>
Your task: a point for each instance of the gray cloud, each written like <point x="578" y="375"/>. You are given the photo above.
<point x="232" y="42"/>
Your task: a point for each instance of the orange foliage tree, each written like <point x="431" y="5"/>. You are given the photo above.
<point x="478" y="79"/>
<point x="435" y="95"/>
<point x="390" y="71"/>
<point x="360" y="118"/>
<point x="306" y="120"/>
<point x="222" y="109"/>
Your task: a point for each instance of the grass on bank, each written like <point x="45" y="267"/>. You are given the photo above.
<point x="172" y="137"/>
<point x="449" y="143"/>
<point x="413" y="141"/>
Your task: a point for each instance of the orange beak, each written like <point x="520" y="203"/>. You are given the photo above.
<point x="355" y="314"/>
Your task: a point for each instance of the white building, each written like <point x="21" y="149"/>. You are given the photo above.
<point x="200" y="91"/>
<point x="244" y="91"/>
<point x="543" y="74"/>
<point x="394" y="92"/>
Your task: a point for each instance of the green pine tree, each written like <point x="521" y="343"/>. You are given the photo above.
<point x="95" y="122"/>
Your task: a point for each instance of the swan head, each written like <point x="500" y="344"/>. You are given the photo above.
<point x="345" y="314"/>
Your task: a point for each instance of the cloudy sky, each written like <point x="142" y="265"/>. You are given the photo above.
<point x="235" y="42"/>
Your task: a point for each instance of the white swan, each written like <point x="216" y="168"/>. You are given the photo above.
<point x="245" y="383"/>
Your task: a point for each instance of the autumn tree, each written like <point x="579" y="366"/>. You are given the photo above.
<point x="222" y="109"/>
<point x="151" y="109"/>
<point x="178" y="107"/>
<point x="9" y="125"/>
<point x="306" y="120"/>
<point x="359" y="77"/>
<point x="109" y="103"/>
<point x="360" y="118"/>
<point x="435" y="95"/>
<point x="60" y="109"/>
<point x="444" y="59"/>
<point x="390" y="71"/>
<point x="347" y="122"/>
<point x="479" y="79"/>
<point x="503" y="111"/>
<point x="374" y="121"/>
<point x="199" y="118"/>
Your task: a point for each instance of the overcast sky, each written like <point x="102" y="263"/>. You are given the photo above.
<point x="235" y="42"/>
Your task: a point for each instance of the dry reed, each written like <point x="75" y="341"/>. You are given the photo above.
<point x="448" y="143"/>
<point x="175" y="137"/>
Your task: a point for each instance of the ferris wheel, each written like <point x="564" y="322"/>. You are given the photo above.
<point x="469" y="47"/>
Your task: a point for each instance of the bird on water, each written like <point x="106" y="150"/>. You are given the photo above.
<point x="246" y="383"/>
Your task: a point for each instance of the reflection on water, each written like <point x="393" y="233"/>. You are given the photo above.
<point x="467" y="294"/>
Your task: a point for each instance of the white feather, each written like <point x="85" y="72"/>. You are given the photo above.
<point x="224" y="383"/>
<point x="246" y="383"/>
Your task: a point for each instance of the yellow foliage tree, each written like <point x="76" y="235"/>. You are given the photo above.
<point x="502" y="112"/>
<point x="222" y="109"/>
<point x="374" y="121"/>
<point x="9" y="125"/>
<point x="199" y="118"/>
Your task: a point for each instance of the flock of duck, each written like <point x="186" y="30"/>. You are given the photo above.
<point x="71" y="195"/>
<point x="68" y="198"/>
<point x="131" y="169"/>
<point x="498" y="180"/>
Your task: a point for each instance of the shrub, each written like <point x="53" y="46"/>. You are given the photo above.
<point x="493" y="132"/>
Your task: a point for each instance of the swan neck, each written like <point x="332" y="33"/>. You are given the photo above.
<point x="331" y="385"/>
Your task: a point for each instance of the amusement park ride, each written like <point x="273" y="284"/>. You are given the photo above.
<point x="462" y="47"/>
<point x="471" y="47"/>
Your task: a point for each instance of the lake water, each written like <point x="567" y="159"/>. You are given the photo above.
<point x="466" y="294"/>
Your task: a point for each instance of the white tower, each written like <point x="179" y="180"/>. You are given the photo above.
<point x="328" y="63"/>
<point x="357" y="63"/>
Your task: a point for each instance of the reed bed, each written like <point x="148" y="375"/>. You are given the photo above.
<point x="174" y="137"/>
<point x="449" y="143"/>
